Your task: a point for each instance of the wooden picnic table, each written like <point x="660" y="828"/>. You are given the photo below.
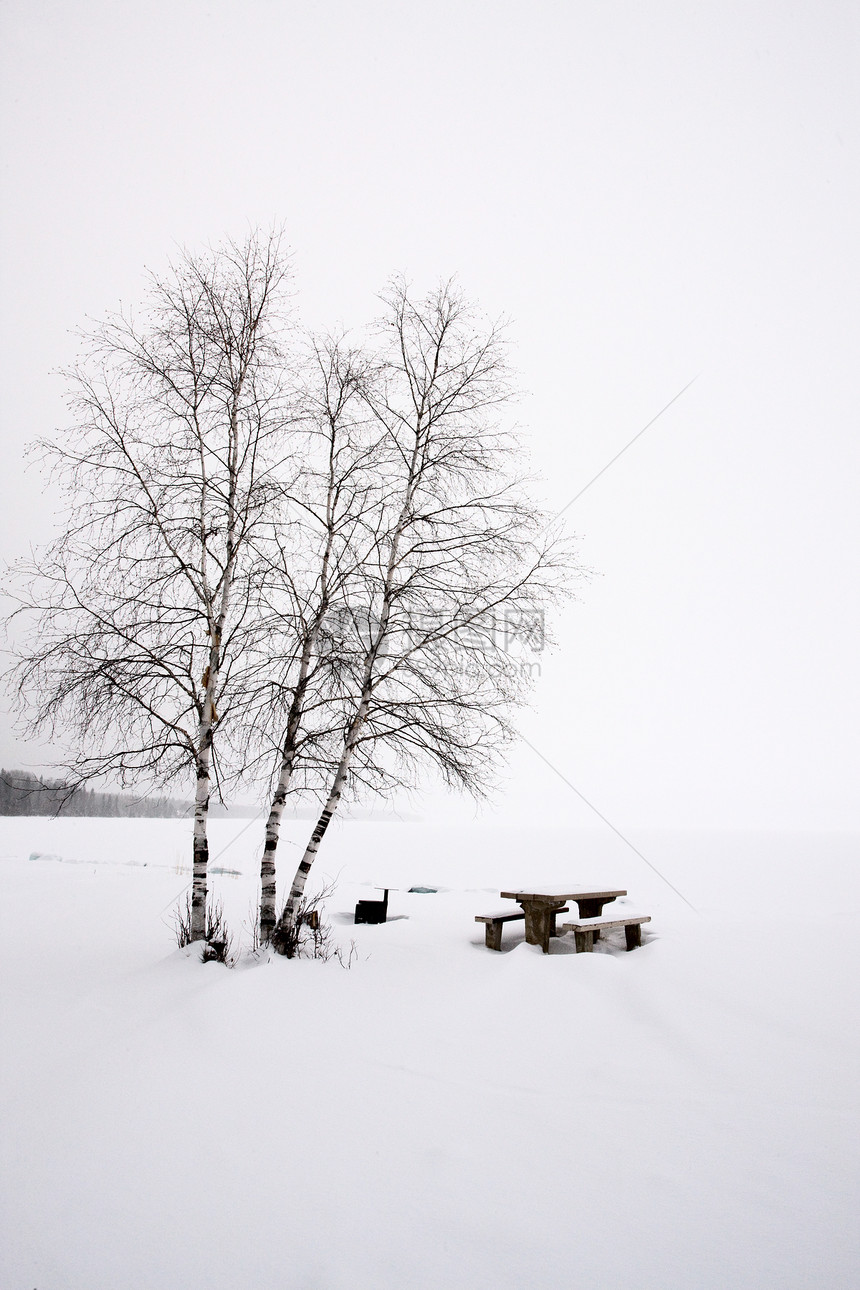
<point x="540" y="907"/>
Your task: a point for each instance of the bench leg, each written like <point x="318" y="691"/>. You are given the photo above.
<point x="633" y="935"/>
<point x="584" y="942"/>
<point x="493" y="936"/>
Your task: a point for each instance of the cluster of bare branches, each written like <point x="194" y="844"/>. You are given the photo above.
<point x="285" y="557"/>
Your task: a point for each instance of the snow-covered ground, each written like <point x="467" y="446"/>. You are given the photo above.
<point x="683" y="1117"/>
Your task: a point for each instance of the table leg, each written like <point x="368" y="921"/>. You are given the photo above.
<point x="591" y="908"/>
<point x="538" y="921"/>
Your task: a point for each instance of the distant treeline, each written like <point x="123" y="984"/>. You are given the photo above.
<point x="24" y="794"/>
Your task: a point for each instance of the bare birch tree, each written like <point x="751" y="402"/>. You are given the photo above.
<point x="458" y="548"/>
<point x="334" y="500"/>
<point x="144" y="614"/>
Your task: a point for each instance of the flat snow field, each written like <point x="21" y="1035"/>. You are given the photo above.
<point x="682" y="1117"/>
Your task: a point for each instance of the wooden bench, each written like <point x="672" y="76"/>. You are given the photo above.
<point x="588" y="929"/>
<point x="493" y="930"/>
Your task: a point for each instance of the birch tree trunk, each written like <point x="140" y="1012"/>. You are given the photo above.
<point x="199" y="890"/>
<point x="268" y="880"/>
<point x="283" y="937"/>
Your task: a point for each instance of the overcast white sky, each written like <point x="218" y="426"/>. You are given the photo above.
<point x="651" y="191"/>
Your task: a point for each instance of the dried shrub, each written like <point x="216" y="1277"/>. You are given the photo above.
<point x="218" y="944"/>
<point x="311" y="937"/>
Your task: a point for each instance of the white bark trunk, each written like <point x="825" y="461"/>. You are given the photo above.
<point x="201" y="844"/>
<point x="268" y="879"/>
<point x="283" y="935"/>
